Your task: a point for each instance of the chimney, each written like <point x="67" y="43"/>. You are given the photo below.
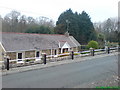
<point x="66" y="34"/>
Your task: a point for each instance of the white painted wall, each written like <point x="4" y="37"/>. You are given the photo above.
<point x="66" y="45"/>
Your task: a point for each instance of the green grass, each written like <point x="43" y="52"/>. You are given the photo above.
<point x="85" y="52"/>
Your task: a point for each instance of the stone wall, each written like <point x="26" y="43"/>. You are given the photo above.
<point x="12" y="55"/>
<point x="2" y="53"/>
<point x="29" y="54"/>
<point x="75" y="49"/>
<point x="48" y="52"/>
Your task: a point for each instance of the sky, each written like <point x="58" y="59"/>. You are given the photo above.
<point x="98" y="10"/>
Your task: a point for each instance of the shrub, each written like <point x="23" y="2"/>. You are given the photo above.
<point x="85" y="52"/>
<point x="63" y="55"/>
<point x="84" y="47"/>
<point x="93" y="44"/>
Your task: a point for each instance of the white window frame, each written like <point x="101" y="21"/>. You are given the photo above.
<point x="39" y="53"/>
<point x="38" y="58"/>
<point x="23" y="56"/>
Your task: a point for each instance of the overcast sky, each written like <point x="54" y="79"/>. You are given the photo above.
<point x="99" y="10"/>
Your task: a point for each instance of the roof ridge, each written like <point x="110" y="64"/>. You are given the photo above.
<point x="32" y="33"/>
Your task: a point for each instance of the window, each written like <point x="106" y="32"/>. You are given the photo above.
<point x="37" y="54"/>
<point x="59" y="50"/>
<point x="55" y="52"/>
<point x="63" y="50"/>
<point x="19" y="55"/>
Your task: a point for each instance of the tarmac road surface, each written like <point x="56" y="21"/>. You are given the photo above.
<point x="64" y="76"/>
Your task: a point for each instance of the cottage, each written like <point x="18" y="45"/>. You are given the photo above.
<point x="23" y="46"/>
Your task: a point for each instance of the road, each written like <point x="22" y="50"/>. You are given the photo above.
<point x="64" y="76"/>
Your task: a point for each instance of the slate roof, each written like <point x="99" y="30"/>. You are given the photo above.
<point x="26" y="42"/>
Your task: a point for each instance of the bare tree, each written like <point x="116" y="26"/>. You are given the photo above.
<point x="15" y="22"/>
<point x="11" y="19"/>
<point x="22" y="23"/>
<point x="109" y="28"/>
